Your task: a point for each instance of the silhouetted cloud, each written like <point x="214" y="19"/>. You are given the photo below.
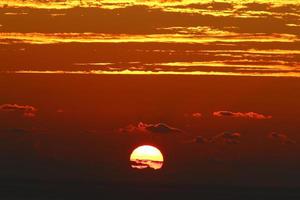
<point x="150" y="128"/>
<point x="143" y="164"/>
<point x="227" y="137"/>
<point x="282" y="138"/>
<point x="200" y="139"/>
<point x="249" y="115"/>
<point x="26" y="110"/>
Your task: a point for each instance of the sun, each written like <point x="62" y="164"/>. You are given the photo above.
<point x="146" y="156"/>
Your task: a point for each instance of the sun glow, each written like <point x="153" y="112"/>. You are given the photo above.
<point x="146" y="156"/>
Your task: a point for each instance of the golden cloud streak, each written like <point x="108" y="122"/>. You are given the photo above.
<point x="138" y="72"/>
<point x="51" y="38"/>
<point x="229" y="65"/>
<point x="121" y="3"/>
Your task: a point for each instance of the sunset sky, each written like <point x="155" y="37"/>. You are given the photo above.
<point x="213" y="85"/>
<point x="258" y="38"/>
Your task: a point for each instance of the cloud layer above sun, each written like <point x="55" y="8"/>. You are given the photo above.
<point x="153" y="37"/>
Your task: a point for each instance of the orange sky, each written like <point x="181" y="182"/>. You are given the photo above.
<point x="214" y="85"/>
<point x="151" y="37"/>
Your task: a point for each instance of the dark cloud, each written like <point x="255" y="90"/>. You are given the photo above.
<point x="198" y="140"/>
<point x="26" y="110"/>
<point x="201" y="140"/>
<point x="227" y="137"/>
<point x="150" y="128"/>
<point x="161" y="128"/>
<point x="282" y="138"/>
<point x="249" y="115"/>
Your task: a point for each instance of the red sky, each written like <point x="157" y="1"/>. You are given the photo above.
<point x="132" y="37"/>
<point x="213" y="84"/>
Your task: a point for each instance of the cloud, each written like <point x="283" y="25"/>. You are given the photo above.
<point x="198" y="140"/>
<point x="150" y="128"/>
<point x="257" y="7"/>
<point x="26" y="110"/>
<point x="195" y="115"/>
<point x="209" y="6"/>
<point x="282" y="138"/>
<point x="201" y="140"/>
<point x="227" y="137"/>
<point x="169" y="1"/>
<point x="249" y="115"/>
<point x="143" y="164"/>
<point x="161" y="1"/>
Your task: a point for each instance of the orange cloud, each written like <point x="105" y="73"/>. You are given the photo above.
<point x="161" y="1"/>
<point x="249" y="115"/>
<point x="195" y="115"/>
<point x="26" y="110"/>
